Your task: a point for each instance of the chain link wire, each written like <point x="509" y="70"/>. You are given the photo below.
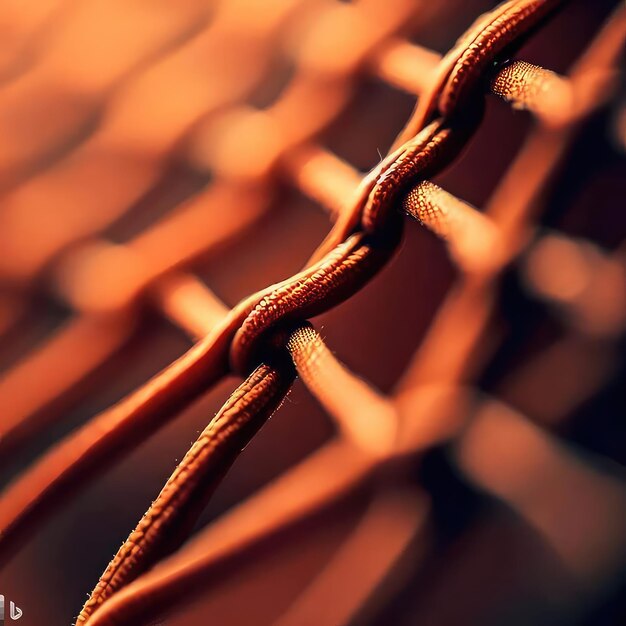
<point x="266" y="338"/>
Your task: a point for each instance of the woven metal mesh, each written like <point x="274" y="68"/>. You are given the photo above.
<point x="160" y="162"/>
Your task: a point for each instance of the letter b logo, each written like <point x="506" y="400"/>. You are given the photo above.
<point x="15" y="611"/>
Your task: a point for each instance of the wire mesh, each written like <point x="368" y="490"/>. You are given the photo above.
<point x="159" y="163"/>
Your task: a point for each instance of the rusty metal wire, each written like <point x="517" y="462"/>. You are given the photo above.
<point x="219" y="55"/>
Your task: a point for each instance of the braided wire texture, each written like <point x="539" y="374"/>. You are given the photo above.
<point x="218" y="56"/>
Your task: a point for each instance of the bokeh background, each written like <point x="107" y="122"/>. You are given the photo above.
<point x="113" y="115"/>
